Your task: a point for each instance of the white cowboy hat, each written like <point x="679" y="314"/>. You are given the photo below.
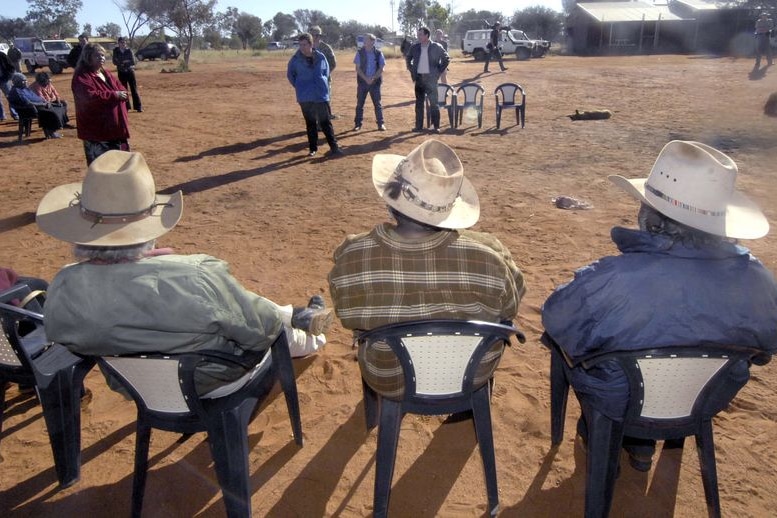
<point x="693" y="184"/>
<point x="428" y="185"/>
<point x="115" y="205"/>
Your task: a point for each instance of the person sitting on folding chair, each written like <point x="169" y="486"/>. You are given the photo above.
<point x="680" y="279"/>
<point x="51" y="117"/>
<point x="125" y="296"/>
<point x="427" y="266"/>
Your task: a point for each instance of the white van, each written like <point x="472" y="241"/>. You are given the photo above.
<point x="37" y="53"/>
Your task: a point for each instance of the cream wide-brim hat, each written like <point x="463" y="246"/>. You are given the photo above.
<point x="429" y="184"/>
<point x="694" y="184"/>
<point x="115" y="205"/>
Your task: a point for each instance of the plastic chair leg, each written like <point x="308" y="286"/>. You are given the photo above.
<point x="371" y="406"/>
<point x="388" y="437"/>
<point x="142" y="440"/>
<point x="60" y="380"/>
<point x="285" y="369"/>
<point x="481" y="411"/>
<point x="559" y="392"/>
<point x="228" y="440"/>
<point x="604" y="443"/>
<point x="709" y="471"/>
<point x="498" y="116"/>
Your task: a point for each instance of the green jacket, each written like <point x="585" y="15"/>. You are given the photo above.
<point x="164" y="304"/>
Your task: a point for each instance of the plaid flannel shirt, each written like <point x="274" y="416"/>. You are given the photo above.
<point x="381" y="278"/>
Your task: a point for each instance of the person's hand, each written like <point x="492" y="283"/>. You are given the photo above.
<point x="121" y="95"/>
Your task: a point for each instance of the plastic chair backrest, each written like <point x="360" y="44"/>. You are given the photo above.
<point x="440" y="361"/>
<point x="473" y="93"/>
<point x="154" y="379"/>
<point x="8" y="356"/>
<point x="445" y="94"/>
<point x="673" y="385"/>
<point x="508" y="92"/>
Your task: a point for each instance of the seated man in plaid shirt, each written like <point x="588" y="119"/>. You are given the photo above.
<point x="426" y="266"/>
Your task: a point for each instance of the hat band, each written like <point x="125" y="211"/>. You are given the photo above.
<point x="415" y="200"/>
<point x="99" y="218"/>
<point x="682" y="205"/>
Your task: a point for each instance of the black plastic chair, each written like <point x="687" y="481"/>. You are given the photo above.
<point x="164" y="391"/>
<point x="473" y="100"/>
<point x="509" y="93"/>
<point x="28" y="358"/>
<point x="446" y="100"/>
<point x="674" y="393"/>
<point x="430" y="367"/>
<point x="26" y="116"/>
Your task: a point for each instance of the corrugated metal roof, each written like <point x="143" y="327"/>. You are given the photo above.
<point x="627" y="12"/>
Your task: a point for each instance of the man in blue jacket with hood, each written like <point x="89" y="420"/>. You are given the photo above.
<point x="308" y="73"/>
<point x="680" y="279"/>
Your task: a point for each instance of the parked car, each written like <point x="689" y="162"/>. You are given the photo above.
<point x="512" y="42"/>
<point x="275" y="45"/>
<point x="158" y="49"/>
<point x="379" y="43"/>
<point x="38" y="53"/>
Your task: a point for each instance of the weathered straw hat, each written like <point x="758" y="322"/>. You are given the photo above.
<point x="429" y="186"/>
<point x="693" y="184"/>
<point x="115" y="205"/>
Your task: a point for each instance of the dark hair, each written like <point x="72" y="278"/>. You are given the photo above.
<point x="305" y="36"/>
<point x="42" y="78"/>
<point x="403" y="218"/>
<point x="650" y="220"/>
<point x="121" y="39"/>
<point x="425" y="30"/>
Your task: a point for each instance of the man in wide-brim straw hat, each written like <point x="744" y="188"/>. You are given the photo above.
<point x="125" y="296"/>
<point x="681" y="279"/>
<point x="427" y="265"/>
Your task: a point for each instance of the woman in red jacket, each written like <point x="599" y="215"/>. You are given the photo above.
<point x="101" y="110"/>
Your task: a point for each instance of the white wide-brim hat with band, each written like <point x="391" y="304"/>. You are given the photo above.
<point x="694" y="184"/>
<point x="115" y="205"/>
<point x="428" y="185"/>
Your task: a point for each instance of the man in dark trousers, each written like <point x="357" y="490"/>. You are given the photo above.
<point x="125" y="66"/>
<point x="426" y="60"/>
<point x="75" y="52"/>
<point x="493" y="46"/>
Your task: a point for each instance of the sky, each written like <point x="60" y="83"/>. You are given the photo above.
<point x="99" y="12"/>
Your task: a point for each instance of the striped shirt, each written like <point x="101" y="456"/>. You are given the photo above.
<point x="381" y="278"/>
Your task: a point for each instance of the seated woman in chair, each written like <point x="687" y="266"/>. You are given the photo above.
<point x="26" y="102"/>
<point x="46" y="91"/>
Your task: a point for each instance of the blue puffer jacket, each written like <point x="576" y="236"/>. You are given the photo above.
<point x="658" y="294"/>
<point x="309" y="76"/>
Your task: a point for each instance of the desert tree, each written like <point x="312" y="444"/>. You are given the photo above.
<point x="13" y="27"/>
<point x="54" y="17"/>
<point x="283" y="26"/>
<point x="111" y="30"/>
<point x="248" y="28"/>
<point x="538" y="21"/>
<point x="472" y="20"/>
<point x="411" y="14"/>
<point x="135" y="14"/>
<point x="184" y="18"/>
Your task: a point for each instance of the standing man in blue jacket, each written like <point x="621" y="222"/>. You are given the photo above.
<point x="308" y="73"/>
<point x="681" y="279"/>
<point x="426" y="61"/>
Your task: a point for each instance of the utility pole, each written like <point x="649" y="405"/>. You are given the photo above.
<point x="392" y="16"/>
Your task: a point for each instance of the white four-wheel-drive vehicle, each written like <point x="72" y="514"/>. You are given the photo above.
<point x="38" y="53"/>
<point x="514" y="41"/>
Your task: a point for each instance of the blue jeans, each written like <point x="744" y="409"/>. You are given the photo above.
<point x="5" y="87"/>
<point x="362" y="89"/>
